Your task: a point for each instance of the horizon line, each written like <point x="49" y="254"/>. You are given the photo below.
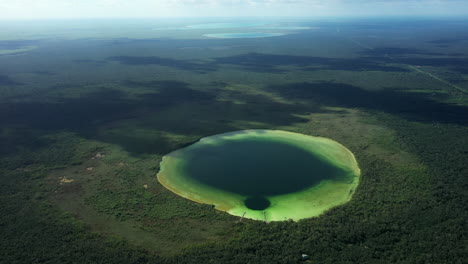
<point x="239" y="17"/>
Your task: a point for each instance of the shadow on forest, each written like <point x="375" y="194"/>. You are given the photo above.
<point x="412" y="106"/>
<point x="382" y="51"/>
<point x="449" y="40"/>
<point x="268" y="63"/>
<point x="101" y="106"/>
<point x="16" y="44"/>
<point x="456" y="64"/>
<point x="153" y="60"/>
<point x="174" y="85"/>
<point x="7" y="81"/>
<point x="94" y="115"/>
<point x="85" y="115"/>
<point x="258" y="62"/>
<point x="91" y="62"/>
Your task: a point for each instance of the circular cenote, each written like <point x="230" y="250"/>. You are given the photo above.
<point x="263" y="174"/>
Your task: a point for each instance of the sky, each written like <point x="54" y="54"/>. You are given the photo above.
<point x="57" y="9"/>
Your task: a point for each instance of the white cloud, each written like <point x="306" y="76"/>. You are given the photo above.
<point x="171" y="8"/>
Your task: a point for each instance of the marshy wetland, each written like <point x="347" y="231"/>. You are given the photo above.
<point x="91" y="111"/>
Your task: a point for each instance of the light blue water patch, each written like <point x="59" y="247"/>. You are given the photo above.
<point x="171" y="28"/>
<point x="285" y="28"/>
<point x="244" y="35"/>
<point x="224" y="25"/>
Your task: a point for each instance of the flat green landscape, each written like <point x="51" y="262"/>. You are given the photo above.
<point x="92" y="111"/>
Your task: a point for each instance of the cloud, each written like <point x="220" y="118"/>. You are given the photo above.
<point x="177" y="8"/>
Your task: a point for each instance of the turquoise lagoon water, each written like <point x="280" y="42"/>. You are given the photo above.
<point x="285" y="28"/>
<point x="224" y="25"/>
<point x="171" y="28"/>
<point x="261" y="174"/>
<point x="238" y="25"/>
<point x="213" y="26"/>
<point x="244" y="35"/>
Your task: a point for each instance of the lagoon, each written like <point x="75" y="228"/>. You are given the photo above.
<point x="260" y="174"/>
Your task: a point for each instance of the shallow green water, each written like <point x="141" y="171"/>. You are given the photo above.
<point x="282" y="174"/>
